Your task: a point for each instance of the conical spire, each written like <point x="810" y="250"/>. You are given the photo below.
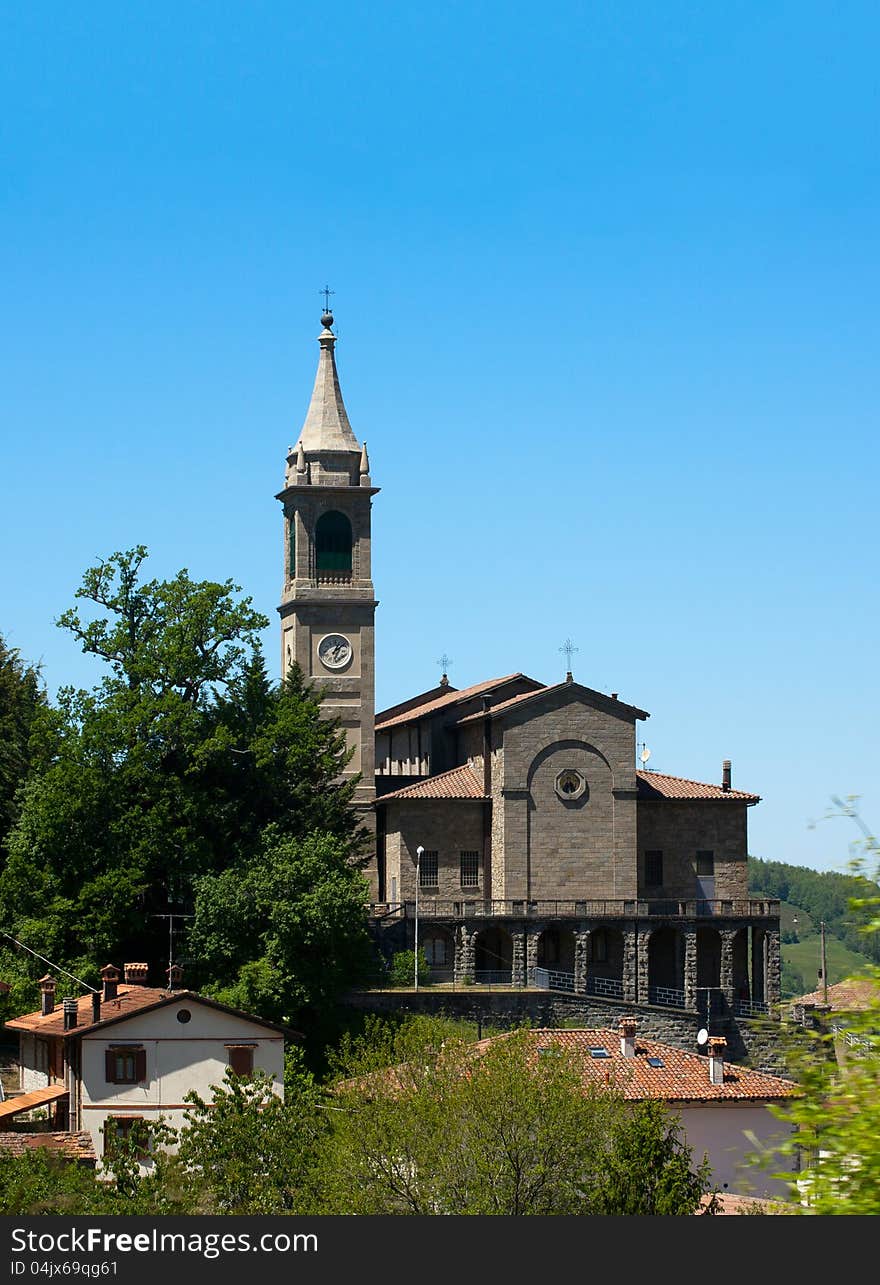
<point x="326" y="427"/>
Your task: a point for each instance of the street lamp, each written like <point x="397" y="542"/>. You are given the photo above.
<point x="419" y="851"/>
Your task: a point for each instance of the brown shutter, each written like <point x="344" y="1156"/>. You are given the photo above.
<point x="241" y="1060"/>
<point x="110" y="1066"/>
<point x="140" y="1065"/>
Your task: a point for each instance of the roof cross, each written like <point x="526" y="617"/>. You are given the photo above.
<point x="569" y="649"/>
<point x="326" y="292"/>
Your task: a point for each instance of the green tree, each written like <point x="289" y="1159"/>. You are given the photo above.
<point x="426" y="1123"/>
<point x="245" y="1151"/>
<point x="176" y="767"/>
<point x="648" y="1167"/>
<point x="22" y="702"/>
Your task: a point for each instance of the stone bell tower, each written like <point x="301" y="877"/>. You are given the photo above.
<point x="328" y="604"/>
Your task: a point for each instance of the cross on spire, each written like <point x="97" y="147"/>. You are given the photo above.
<point x="444" y="662"/>
<point x="569" y="649"/>
<point x="326" y="292"/>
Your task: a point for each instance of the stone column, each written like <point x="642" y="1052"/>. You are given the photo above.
<point x="630" y="977"/>
<point x="531" y="954"/>
<point x="690" y="968"/>
<point x="518" y="937"/>
<point x="728" y="937"/>
<point x="642" y="957"/>
<point x="773" y="967"/>
<point x="464" y="954"/>
<point x="581" y="960"/>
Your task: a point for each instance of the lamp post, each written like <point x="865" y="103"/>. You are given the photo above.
<point x="419" y="851"/>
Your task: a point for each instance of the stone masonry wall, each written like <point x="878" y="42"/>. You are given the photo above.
<point x="679" y="829"/>
<point x="446" y="826"/>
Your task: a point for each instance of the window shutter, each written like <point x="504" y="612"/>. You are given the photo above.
<point x="110" y="1066"/>
<point x="241" y="1060"/>
<point x="140" y="1065"/>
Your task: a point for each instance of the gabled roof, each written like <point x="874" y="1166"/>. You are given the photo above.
<point x="450" y="699"/>
<point x="657" y="785"/>
<point x="505" y="707"/>
<point x="682" y="1077"/>
<point x="424" y="698"/>
<point x="459" y="783"/>
<point x="129" y="1002"/>
<point x="849" y="996"/>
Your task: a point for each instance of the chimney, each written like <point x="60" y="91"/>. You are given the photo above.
<point x="725" y="775"/>
<point x="47" y="995"/>
<point x="628" y="1036"/>
<point x="717" y="1045"/>
<point x="486" y="702"/>
<point x="175" y="977"/>
<point x="96" y="1006"/>
<point x="69" y="1005"/>
<point x="110" y="978"/>
<point x="136" y="974"/>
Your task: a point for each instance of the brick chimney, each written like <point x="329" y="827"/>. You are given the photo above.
<point x="136" y="974"/>
<point x="110" y="978"/>
<point x="725" y="776"/>
<point x="47" y="995"/>
<point x="175" y="977"/>
<point x="628" y="1036"/>
<point x="717" y="1045"/>
<point x="70" y="1007"/>
<point x="96" y="1006"/>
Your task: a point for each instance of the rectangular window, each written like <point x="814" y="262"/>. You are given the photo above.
<point x="241" y="1058"/>
<point x="653" y="868"/>
<point x="706" y="864"/>
<point x="119" y="1127"/>
<point x="126" y="1064"/>
<point x="470" y="869"/>
<point x="428" y="870"/>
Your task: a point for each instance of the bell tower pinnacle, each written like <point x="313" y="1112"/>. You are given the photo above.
<point x="327" y="602"/>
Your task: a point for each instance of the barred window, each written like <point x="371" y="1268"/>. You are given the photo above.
<point x="470" y="869"/>
<point x="653" y="868"/>
<point x="428" y="874"/>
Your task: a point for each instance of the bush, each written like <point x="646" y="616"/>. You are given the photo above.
<point x="401" y="972"/>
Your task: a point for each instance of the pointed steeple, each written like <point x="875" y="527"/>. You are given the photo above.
<point x="326" y="426"/>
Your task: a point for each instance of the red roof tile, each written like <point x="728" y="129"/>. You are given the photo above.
<point x="448" y="700"/>
<point x="72" y="1146"/>
<point x="683" y="1077"/>
<point x="459" y="783"/>
<point x="656" y="785"/>
<point x="129" y="1001"/>
<point x="849" y="996"/>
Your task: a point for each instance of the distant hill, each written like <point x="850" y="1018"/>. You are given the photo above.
<point x="808" y="897"/>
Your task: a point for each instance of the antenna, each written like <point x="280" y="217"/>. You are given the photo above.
<point x="702" y="1036"/>
<point x="645" y="754"/>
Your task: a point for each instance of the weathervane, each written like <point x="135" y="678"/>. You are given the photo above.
<point x="569" y="649"/>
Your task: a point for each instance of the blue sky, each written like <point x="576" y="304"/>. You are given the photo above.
<point x="606" y="290"/>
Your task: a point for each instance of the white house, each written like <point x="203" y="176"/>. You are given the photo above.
<point x="133" y="1052"/>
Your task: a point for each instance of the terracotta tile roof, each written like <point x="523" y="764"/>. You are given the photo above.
<point x="656" y="785"/>
<point x="129" y="1001"/>
<point x="35" y="1098"/>
<point x="423" y="698"/>
<point x="459" y="783"/>
<point x="504" y="706"/>
<point x="683" y="1077"/>
<point x="448" y="700"/>
<point x="72" y="1146"/>
<point x="851" y="995"/>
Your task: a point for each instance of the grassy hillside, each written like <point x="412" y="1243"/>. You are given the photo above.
<point x="808" y="897"/>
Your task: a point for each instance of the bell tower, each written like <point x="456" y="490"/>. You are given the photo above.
<point x="327" y="604"/>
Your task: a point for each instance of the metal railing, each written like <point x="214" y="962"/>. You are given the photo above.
<point x="605" y="908"/>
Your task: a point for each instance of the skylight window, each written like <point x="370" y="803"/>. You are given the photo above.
<point x="599" y="1052"/>
<point x="655" y="1061"/>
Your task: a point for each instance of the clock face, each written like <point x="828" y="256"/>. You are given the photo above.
<point x="334" y="651"/>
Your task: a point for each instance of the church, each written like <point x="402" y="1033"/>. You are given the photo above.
<point x="515" y="831"/>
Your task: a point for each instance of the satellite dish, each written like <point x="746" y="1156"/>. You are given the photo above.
<point x="702" y="1036"/>
<point x="645" y="754"/>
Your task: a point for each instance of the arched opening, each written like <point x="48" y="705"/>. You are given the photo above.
<point x="709" y="998"/>
<point x="439" y="951"/>
<point x="493" y="958"/>
<point x="333" y="544"/>
<point x="741" y="988"/>
<point x="605" y="966"/>
<point x="556" y="949"/>
<point x="666" y="968"/>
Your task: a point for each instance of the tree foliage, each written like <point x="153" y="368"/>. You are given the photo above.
<point x="836" y="898"/>
<point x="22" y="703"/>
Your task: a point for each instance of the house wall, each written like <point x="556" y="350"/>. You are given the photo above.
<point x="180" y="1057"/>
<point x="447" y="826"/>
<point x="30" y="1078"/>
<point x="554" y="848"/>
<point x="678" y="829"/>
<point x="719" y="1130"/>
